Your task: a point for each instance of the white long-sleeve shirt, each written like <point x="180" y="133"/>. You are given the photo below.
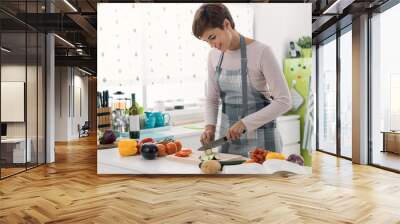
<point x="265" y="76"/>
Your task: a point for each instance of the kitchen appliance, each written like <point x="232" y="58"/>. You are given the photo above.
<point x="179" y="104"/>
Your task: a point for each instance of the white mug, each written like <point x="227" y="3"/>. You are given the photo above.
<point x="159" y="106"/>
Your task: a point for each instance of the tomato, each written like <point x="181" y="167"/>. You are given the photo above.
<point x="258" y="155"/>
<point x="171" y="148"/>
<point x="147" y="140"/>
<point x="178" y="145"/>
<point x="184" y="153"/>
<point x="162" y="151"/>
<point x="186" y="150"/>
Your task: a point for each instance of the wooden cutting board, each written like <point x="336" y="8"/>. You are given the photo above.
<point x="106" y="146"/>
<point x="194" y="157"/>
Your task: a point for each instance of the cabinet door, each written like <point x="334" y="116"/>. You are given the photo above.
<point x="290" y="131"/>
<point x="291" y="149"/>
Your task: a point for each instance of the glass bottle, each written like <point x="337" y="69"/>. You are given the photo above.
<point x="134" y="123"/>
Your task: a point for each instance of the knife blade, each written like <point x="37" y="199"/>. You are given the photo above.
<point x="214" y="144"/>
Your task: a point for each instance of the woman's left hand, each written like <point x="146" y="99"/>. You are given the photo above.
<point x="236" y="130"/>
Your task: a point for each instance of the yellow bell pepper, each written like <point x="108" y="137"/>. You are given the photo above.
<point x="275" y="155"/>
<point x="127" y="147"/>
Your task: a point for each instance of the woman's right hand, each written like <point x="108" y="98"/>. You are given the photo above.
<point x="208" y="134"/>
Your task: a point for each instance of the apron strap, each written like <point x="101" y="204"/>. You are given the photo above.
<point x="221" y="58"/>
<point x="218" y="70"/>
<point x="243" y="69"/>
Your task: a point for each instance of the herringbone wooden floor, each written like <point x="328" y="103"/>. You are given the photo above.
<point x="70" y="191"/>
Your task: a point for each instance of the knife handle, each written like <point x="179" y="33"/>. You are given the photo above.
<point x="226" y="139"/>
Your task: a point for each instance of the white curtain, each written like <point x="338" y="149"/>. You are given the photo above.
<point x="152" y="43"/>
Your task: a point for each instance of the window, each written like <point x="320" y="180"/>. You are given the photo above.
<point x="149" y="49"/>
<point x="22" y="66"/>
<point x="385" y="84"/>
<point x="327" y="97"/>
<point x="346" y="94"/>
<point x="394" y="117"/>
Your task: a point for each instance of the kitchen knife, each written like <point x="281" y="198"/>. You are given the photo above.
<point x="214" y="144"/>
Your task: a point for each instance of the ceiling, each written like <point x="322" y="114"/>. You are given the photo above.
<point x="76" y="20"/>
<point x="76" y="40"/>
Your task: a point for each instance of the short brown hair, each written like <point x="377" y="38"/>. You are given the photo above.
<point x="209" y="16"/>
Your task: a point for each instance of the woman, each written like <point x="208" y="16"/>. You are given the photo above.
<point x="245" y="74"/>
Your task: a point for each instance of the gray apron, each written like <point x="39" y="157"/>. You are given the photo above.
<point x="239" y="99"/>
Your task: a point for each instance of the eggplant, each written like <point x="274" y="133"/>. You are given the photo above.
<point x="149" y="151"/>
<point x="294" y="158"/>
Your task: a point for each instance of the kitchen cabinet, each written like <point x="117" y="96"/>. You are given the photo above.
<point x="289" y="128"/>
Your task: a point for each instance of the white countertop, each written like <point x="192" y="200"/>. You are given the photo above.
<point x="173" y="131"/>
<point x="110" y="162"/>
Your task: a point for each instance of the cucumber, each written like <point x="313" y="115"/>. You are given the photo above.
<point x="208" y="155"/>
<point x="231" y="162"/>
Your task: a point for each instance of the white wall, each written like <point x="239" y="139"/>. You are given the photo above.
<point x="81" y="83"/>
<point x="16" y="73"/>
<point x="12" y="73"/>
<point x="278" y="24"/>
<point x="68" y="83"/>
<point x="33" y="127"/>
<point x="61" y="103"/>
